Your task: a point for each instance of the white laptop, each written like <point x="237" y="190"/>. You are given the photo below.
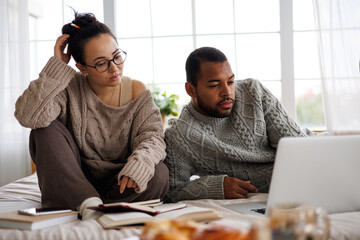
<point x="321" y="171"/>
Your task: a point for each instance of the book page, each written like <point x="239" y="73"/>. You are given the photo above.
<point x="168" y="207"/>
<point x="116" y="217"/>
<point x="153" y="210"/>
<point x="199" y="214"/>
<point x="140" y="203"/>
<point x="190" y="213"/>
<point x="127" y="218"/>
<point x="149" y="203"/>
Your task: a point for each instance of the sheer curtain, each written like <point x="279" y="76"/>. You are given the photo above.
<point x="14" y="78"/>
<point x="338" y="22"/>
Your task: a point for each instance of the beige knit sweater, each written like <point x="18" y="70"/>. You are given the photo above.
<point x="127" y="140"/>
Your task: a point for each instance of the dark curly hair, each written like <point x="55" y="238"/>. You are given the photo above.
<point x="89" y="27"/>
<point x="194" y="60"/>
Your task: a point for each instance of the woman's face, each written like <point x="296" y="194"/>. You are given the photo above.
<point x="102" y="47"/>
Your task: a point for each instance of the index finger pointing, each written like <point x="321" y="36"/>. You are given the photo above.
<point x="123" y="183"/>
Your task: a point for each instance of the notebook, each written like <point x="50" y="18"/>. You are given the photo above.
<point x="320" y="171"/>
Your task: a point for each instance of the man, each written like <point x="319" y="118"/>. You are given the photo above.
<point x="227" y="134"/>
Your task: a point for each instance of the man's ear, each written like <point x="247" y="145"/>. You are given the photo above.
<point x="81" y="68"/>
<point x="190" y="89"/>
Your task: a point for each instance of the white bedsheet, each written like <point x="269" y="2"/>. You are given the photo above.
<point x="25" y="193"/>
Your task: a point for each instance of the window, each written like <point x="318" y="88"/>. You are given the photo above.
<point x="308" y="93"/>
<point x="45" y="23"/>
<point x="162" y="34"/>
<point x="158" y="35"/>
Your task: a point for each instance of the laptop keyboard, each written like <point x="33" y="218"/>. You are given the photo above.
<point x="259" y="210"/>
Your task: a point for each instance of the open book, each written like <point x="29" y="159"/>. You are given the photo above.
<point x="123" y="219"/>
<point x="152" y="207"/>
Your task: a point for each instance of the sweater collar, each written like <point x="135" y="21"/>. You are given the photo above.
<point x="204" y="118"/>
<point x="88" y="89"/>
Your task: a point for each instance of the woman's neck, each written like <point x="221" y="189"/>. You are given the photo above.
<point x="110" y="95"/>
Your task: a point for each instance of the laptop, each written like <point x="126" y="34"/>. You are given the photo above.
<point x="321" y="171"/>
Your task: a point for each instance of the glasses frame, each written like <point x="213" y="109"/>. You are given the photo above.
<point x="109" y="61"/>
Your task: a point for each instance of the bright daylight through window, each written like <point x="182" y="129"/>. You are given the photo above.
<point x="159" y="35"/>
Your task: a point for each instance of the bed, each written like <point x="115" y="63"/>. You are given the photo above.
<point x="25" y="193"/>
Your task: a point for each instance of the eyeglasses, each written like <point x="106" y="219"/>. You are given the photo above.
<point x="104" y="65"/>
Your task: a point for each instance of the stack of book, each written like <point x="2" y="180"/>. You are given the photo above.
<point x="117" y="215"/>
<point x="20" y="221"/>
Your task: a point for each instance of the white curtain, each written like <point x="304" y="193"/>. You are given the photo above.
<point x="14" y="78"/>
<point x="338" y="23"/>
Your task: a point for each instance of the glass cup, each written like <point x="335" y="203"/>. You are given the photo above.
<point x="299" y="222"/>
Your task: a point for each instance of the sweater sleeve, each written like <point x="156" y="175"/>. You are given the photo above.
<point x="278" y="122"/>
<point x="147" y="143"/>
<point x="181" y="169"/>
<point x="45" y="99"/>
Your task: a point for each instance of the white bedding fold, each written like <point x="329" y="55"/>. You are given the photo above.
<point x="25" y="193"/>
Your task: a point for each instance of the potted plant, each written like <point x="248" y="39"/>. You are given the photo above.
<point x="167" y="104"/>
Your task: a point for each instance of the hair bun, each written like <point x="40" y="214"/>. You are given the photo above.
<point x="82" y="19"/>
<point x="82" y="29"/>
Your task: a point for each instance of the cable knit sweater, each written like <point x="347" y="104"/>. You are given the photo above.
<point x="127" y="140"/>
<point x="242" y="145"/>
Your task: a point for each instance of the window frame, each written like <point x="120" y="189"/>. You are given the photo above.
<point x="286" y="33"/>
<point x="287" y="78"/>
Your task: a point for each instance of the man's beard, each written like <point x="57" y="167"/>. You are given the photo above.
<point x="212" y="112"/>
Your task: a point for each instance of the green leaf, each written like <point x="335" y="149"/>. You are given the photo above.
<point x="167" y="104"/>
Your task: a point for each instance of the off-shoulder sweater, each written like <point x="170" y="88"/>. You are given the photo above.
<point x="127" y="140"/>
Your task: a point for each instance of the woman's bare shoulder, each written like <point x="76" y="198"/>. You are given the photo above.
<point x="138" y="88"/>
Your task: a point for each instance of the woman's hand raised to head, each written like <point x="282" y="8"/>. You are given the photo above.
<point x="60" y="45"/>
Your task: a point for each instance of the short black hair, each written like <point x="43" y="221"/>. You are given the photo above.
<point x="194" y="60"/>
<point x="82" y="29"/>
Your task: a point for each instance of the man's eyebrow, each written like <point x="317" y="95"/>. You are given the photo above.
<point x="218" y="80"/>
<point x="98" y="58"/>
<point x="213" y="80"/>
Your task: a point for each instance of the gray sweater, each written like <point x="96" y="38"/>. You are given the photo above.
<point x="126" y="140"/>
<point x="242" y="145"/>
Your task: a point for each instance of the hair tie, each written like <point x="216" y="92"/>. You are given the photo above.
<point x="74" y="25"/>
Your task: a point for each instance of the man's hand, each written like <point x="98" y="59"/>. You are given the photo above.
<point x="236" y="188"/>
<point x="126" y="182"/>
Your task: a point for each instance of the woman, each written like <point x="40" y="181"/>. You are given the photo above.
<point x="97" y="136"/>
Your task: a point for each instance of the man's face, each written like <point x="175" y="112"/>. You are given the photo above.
<point x="214" y="95"/>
